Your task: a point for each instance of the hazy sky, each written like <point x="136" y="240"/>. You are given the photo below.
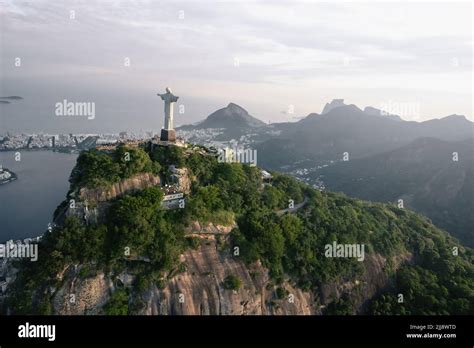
<point x="269" y="57"/>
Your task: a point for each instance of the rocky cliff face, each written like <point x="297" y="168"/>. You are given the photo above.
<point x="182" y="178"/>
<point x="198" y="228"/>
<point x="364" y="287"/>
<point x="127" y="186"/>
<point x="92" y="204"/>
<point x="199" y="289"/>
<point x="81" y="296"/>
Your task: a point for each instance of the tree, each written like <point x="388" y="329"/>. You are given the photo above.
<point x="273" y="197"/>
<point x="133" y="161"/>
<point x="167" y="155"/>
<point x="291" y="226"/>
<point x="118" y="303"/>
<point x="232" y="282"/>
<point x="95" y="168"/>
<point x="133" y="219"/>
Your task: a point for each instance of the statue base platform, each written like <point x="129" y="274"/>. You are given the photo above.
<point x="168" y="135"/>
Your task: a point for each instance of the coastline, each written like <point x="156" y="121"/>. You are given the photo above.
<point x="56" y="149"/>
<point x="42" y="183"/>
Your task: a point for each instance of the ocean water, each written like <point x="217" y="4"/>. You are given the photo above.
<point x="28" y="203"/>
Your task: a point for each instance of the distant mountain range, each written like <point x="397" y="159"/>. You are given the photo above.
<point x="369" y="110"/>
<point x="424" y="174"/>
<point x="347" y="128"/>
<point x="339" y="129"/>
<point x="389" y="158"/>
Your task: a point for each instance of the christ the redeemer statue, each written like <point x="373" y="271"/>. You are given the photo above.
<point x="168" y="133"/>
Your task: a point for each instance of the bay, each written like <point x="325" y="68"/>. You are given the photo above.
<point x="28" y="203"/>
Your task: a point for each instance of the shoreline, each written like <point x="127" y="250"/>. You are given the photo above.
<point x="60" y="150"/>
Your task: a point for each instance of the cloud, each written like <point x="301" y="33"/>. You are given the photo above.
<point x="300" y="47"/>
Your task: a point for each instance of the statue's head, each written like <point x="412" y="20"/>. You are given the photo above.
<point x="168" y="90"/>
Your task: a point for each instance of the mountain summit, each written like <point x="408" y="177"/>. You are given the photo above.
<point x="231" y="116"/>
<point x="335" y="103"/>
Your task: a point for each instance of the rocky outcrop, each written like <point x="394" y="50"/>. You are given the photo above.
<point x="335" y="103"/>
<point x="197" y="291"/>
<point x="90" y="214"/>
<point x="92" y="204"/>
<point x="199" y="288"/>
<point x="365" y="286"/>
<point x="125" y="186"/>
<point x="180" y="176"/>
<point x="200" y="291"/>
<point x="81" y="295"/>
<point x="197" y="227"/>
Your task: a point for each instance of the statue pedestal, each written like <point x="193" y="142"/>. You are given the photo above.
<point x="168" y="135"/>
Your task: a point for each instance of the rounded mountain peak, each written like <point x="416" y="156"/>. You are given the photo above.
<point x="236" y="108"/>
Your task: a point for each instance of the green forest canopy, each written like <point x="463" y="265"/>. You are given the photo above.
<point x="289" y="245"/>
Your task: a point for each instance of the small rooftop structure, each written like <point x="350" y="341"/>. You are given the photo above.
<point x="173" y="201"/>
<point x="266" y="177"/>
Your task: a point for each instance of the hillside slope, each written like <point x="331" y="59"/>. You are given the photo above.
<point x="228" y="251"/>
<point x="423" y="174"/>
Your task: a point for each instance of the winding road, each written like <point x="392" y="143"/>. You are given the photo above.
<point x="294" y="209"/>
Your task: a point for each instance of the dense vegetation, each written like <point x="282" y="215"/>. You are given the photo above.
<point x="441" y="283"/>
<point x="95" y="168"/>
<point x="423" y="174"/>
<point x="141" y="236"/>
